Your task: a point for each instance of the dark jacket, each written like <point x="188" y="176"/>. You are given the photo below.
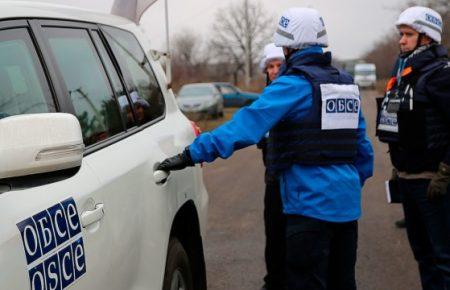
<point x="423" y="116"/>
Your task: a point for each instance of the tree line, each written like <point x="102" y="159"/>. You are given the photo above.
<point x="240" y="31"/>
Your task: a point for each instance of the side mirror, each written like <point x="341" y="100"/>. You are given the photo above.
<point x="39" y="143"/>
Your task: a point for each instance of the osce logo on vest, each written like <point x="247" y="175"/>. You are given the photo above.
<point x="53" y="246"/>
<point x="342" y="105"/>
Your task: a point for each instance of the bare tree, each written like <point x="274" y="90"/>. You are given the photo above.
<point x="189" y="59"/>
<point x="239" y="33"/>
<point x="187" y="48"/>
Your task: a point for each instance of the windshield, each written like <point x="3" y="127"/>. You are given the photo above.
<point x="364" y="72"/>
<point x="195" y="91"/>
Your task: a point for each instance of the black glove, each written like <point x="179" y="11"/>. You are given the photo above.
<point x="177" y="162"/>
<point x="394" y="174"/>
<point x="439" y="184"/>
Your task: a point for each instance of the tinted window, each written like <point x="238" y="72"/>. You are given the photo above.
<point x="119" y="89"/>
<point x="86" y="82"/>
<point x="23" y="87"/>
<point x="141" y="82"/>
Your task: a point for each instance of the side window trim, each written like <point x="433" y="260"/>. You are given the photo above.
<point x="126" y="78"/>
<point x="107" y="73"/>
<point x="118" y="70"/>
<point x="59" y="88"/>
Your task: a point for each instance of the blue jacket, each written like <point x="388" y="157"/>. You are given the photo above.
<point x="330" y="193"/>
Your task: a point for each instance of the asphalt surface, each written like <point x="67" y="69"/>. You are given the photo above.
<point x="234" y="244"/>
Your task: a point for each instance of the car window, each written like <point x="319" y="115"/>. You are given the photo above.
<point x="119" y="89"/>
<point x="140" y="79"/>
<point x="227" y="90"/>
<point x="195" y="91"/>
<point x="23" y="87"/>
<point x="86" y="82"/>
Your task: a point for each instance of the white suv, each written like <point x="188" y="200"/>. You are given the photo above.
<point x="85" y="118"/>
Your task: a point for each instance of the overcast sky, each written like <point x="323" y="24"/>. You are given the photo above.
<point x="353" y="25"/>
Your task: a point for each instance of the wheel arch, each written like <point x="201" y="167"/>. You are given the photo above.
<point x="186" y="228"/>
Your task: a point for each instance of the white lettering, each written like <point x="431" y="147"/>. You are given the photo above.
<point x="72" y="212"/>
<point x="79" y="254"/>
<point x="63" y="265"/>
<point x="32" y="231"/>
<point x="53" y="275"/>
<point x="331" y="106"/>
<point x="37" y="284"/>
<point x="46" y="232"/>
<point x="341" y="105"/>
<point x="60" y="233"/>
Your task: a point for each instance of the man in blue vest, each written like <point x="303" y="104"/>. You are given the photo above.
<point x="414" y="119"/>
<point x="318" y="149"/>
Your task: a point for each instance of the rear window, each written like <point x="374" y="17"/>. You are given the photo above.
<point x="140" y="79"/>
<point x="23" y="87"/>
<point x="195" y="91"/>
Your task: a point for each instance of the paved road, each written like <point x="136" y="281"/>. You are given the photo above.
<point x="234" y="244"/>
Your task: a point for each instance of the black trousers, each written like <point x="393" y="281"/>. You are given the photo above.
<point x="428" y="229"/>
<point x="320" y="255"/>
<point x="275" y="228"/>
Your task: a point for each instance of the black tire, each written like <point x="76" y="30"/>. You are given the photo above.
<point x="178" y="270"/>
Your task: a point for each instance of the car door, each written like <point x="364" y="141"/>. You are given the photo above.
<point x="73" y="58"/>
<point x="230" y="96"/>
<point x="42" y="240"/>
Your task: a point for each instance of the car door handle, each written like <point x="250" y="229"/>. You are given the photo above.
<point x="92" y="216"/>
<point x="160" y="176"/>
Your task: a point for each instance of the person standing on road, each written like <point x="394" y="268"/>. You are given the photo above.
<point x="317" y="148"/>
<point x="414" y="119"/>
<point x="274" y="219"/>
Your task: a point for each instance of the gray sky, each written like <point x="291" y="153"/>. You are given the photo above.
<point x="353" y="25"/>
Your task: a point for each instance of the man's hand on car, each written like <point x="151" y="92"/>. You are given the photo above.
<point x="439" y="184"/>
<point x="177" y="162"/>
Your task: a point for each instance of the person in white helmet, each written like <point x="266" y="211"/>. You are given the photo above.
<point x="414" y="119"/>
<point x="318" y="150"/>
<point x="274" y="219"/>
<point x="273" y="58"/>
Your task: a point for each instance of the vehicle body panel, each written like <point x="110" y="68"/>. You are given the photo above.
<point x="233" y="97"/>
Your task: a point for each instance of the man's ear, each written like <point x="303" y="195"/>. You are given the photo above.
<point x="425" y="40"/>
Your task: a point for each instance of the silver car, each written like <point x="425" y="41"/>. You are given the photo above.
<point x="201" y="98"/>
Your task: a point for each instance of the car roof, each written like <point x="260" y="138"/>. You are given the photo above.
<point x="32" y="9"/>
<point x="198" y="85"/>
<point x="222" y="83"/>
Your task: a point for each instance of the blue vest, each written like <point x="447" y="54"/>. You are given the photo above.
<point x="328" y="134"/>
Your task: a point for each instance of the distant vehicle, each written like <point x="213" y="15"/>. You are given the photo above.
<point x="365" y="75"/>
<point x="233" y="97"/>
<point x="201" y="98"/>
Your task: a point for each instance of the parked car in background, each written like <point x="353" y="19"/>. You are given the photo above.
<point x="233" y="97"/>
<point x="201" y="98"/>
<point x="365" y="75"/>
<point x="85" y="118"/>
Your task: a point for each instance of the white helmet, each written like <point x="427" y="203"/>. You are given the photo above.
<point x="423" y="20"/>
<point x="301" y="27"/>
<point x="271" y="52"/>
